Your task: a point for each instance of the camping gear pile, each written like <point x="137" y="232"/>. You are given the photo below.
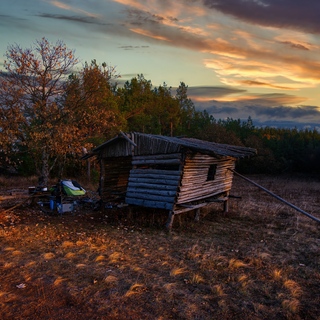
<point x="63" y="197"/>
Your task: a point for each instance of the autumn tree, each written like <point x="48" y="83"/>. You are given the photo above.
<point x="29" y="115"/>
<point x="92" y="105"/>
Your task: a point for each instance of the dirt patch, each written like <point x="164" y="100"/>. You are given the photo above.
<point x="259" y="261"/>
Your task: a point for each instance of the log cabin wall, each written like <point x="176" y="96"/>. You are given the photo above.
<point x="114" y="178"/>
<point x="154" y="180"/>
<point x="205" y="176"/>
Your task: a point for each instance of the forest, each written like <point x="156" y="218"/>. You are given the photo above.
<point x="50" y="114"/>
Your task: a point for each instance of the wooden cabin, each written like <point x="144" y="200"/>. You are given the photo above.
<point x="171" y="173"/>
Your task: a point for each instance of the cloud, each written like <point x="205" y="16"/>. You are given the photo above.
<point x="129" y="47"/>
<point x="291" y="14"/>
<point x="255" y="83"/>
<point x="240" y="55"/>
<point x="204" y="93"/>
<point x="262" y="110"/>
<point x="66" y="7"/>
<point x="149" y="34"/>
<point x="81" y="19"/>
<point x="295" y="45"/>
<point x="287" y="112"/>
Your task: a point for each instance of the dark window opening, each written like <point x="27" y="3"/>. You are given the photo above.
<point x="212" y="172"/>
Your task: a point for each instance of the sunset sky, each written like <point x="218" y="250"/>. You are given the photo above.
<point x="239" y="58"/>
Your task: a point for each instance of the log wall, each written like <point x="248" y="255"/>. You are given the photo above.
<point x="194" y="184"/>
<point x="114" y="178"/>
<point x="154" y="180"/>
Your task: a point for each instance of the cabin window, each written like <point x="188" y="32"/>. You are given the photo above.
<point x="212" y="172"/>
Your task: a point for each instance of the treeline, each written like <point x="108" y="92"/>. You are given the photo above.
<point x="50" y="114"/>
<point x="279" y="150"/>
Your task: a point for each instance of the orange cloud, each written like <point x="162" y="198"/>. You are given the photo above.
<point x="64" y="6"/>
<point x="149" y="34"/>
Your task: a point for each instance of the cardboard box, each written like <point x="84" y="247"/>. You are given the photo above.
<point x="64" y="207"/>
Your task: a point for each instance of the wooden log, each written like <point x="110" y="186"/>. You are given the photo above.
<point x="144" y="196"/>
<point x="155" y="171"/>
<point x="155" y="181"/>
<point x="154" y="176"/>
<point x="152" y="161"/>
<point x="158" y="156"/>
<point x="152" y="186"/>
<point x="197" y="215"/>
<point x="149" y="203"/>
<point x="201" y="194"/>
<point x="152" y="191"/>
<point x="178" y="210"/>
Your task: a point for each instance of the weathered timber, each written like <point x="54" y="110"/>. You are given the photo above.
<point x="158" y="156"/>
<point x="146" y="196"/>
<point x="155" y="192"/>
<point x="206" y="187"/>
<point x="155" y="181"/>
<point x="161" y="162"/>
<point x="195" y="184"/>
<point x="156" y="172"/>
<point x="150" y="204"/>
<point x="115" y="177"/>
<point x="178" y="210"/>
<point x="151" y="186"/>
<point x="175" y="174"/>
<point x="154" y="176"/>
<point x="129" y="140"/>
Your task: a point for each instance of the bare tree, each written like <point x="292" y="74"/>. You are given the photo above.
<point x="33" y="80"/>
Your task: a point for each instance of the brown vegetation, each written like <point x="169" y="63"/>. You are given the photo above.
<point x="259" y="261"/>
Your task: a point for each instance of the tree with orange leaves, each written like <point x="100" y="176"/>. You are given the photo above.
<point x="48" y="110"/>
<point x="29" y="113"/>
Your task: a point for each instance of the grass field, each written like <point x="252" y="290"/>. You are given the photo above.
<point x="259" y="261"/>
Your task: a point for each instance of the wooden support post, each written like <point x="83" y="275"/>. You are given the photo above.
<point x="170" y="221"/>
<point x="226" y="204"/>
<point x="197" y="215"/>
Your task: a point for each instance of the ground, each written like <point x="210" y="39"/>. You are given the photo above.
<point x="258" y="261"/>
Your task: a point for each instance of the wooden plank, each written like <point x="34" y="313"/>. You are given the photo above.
<point x="154" y="176"/>
<point x="200" y="197"/>
<point x="145" y="196"/>
<point x="178" y="210"/>
<point x="151" y="186"/>
<point x="152" y="191"/>
<point x="156" y="171"/>
<point x="154" y="181"/>
<point x="149" y="204"/>
<point x="155" y="192"/>
<point x="206" y="188"/>
<point x="158" y="156"/>
<point x="152" y="161"/>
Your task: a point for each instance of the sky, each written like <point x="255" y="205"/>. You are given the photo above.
<point x="239" y="58"/>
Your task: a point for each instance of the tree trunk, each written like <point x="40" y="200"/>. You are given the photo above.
<point x="44" y="179"/>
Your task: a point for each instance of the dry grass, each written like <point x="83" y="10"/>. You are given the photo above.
<point x="259" y="261"/>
